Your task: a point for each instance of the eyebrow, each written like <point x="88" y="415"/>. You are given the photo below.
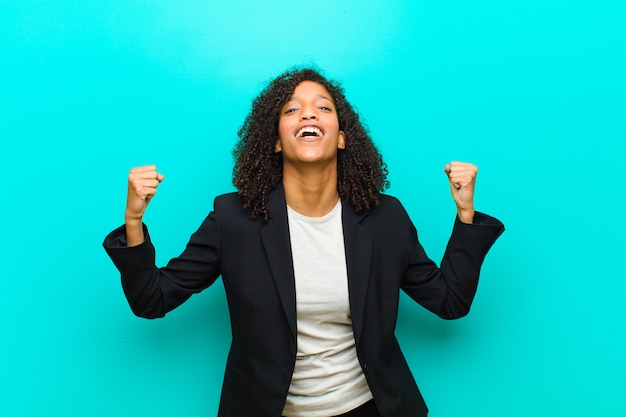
<point x="318" y="96"/>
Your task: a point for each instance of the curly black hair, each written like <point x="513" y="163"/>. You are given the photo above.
<point x="361" y="172"/>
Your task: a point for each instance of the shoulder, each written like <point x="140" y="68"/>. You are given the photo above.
<point x="389" y="212"/>
<point x="228" y="199"/>
<point x="389" y="200"/>
<point x="229" y="204"/>
<point x="388" y="204"/>
<point x="230" y="209"/>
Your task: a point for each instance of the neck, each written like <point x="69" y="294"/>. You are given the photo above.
<point x="311" y="193"/>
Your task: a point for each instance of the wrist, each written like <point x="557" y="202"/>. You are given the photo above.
<point x="134" y="232"/>
<point x="132" y="214"/>
<point x="466" y="215"/>
<point x="133" y="221"/>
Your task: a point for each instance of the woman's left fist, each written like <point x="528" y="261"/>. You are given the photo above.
<point x="462" y="177"/>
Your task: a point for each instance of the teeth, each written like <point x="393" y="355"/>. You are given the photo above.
<point x="309" y="129"/>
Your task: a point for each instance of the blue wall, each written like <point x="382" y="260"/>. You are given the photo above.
<point x="533" y="92"/>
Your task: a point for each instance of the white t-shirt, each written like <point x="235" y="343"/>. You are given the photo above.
<point x="327" y="378"/>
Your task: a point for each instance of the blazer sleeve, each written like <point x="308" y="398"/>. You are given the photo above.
<point x="449" y="290"/>
<point x="151" y="291"/>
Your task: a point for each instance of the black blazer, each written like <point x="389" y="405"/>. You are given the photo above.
<point x="253" y="257"/>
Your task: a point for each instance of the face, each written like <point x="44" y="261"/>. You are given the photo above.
<point x="308" y="127"/>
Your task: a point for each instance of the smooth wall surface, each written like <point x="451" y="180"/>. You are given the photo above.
<point x="533" y="92"/>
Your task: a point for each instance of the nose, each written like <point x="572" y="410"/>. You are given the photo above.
<point x="308" y="113"/>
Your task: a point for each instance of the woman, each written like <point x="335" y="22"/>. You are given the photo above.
<point x="312" y="256"/>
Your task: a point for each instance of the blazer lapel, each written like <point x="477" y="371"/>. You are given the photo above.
<point x="359" y="246"/>
<point x="277" y="244"/>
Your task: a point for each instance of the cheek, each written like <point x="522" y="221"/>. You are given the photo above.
<point x="283" y="128"/>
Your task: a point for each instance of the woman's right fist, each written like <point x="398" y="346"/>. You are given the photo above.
<point x="142" y="184"/>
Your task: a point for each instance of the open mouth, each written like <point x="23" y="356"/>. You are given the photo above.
<point x="309" y="131"/>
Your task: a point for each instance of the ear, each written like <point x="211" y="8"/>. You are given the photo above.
<point x="277" y="147"/>
<point x="341" y="142"/>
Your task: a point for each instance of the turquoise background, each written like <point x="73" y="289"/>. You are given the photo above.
<point x="533" y="92"/>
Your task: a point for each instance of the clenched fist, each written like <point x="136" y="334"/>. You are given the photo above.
<point x="462" y="177"/>
<point x="142" y="184"/>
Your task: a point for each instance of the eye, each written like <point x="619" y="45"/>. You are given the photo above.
<point x="325" y="108"/>
<point x="290" y="110"/>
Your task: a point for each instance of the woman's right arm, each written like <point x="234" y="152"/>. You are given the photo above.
<point x="153" y="291"/>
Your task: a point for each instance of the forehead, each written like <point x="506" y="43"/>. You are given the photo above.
<point x="310" y="89"/>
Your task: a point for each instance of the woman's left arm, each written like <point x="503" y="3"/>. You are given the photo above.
<point x="448" y="290"/>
